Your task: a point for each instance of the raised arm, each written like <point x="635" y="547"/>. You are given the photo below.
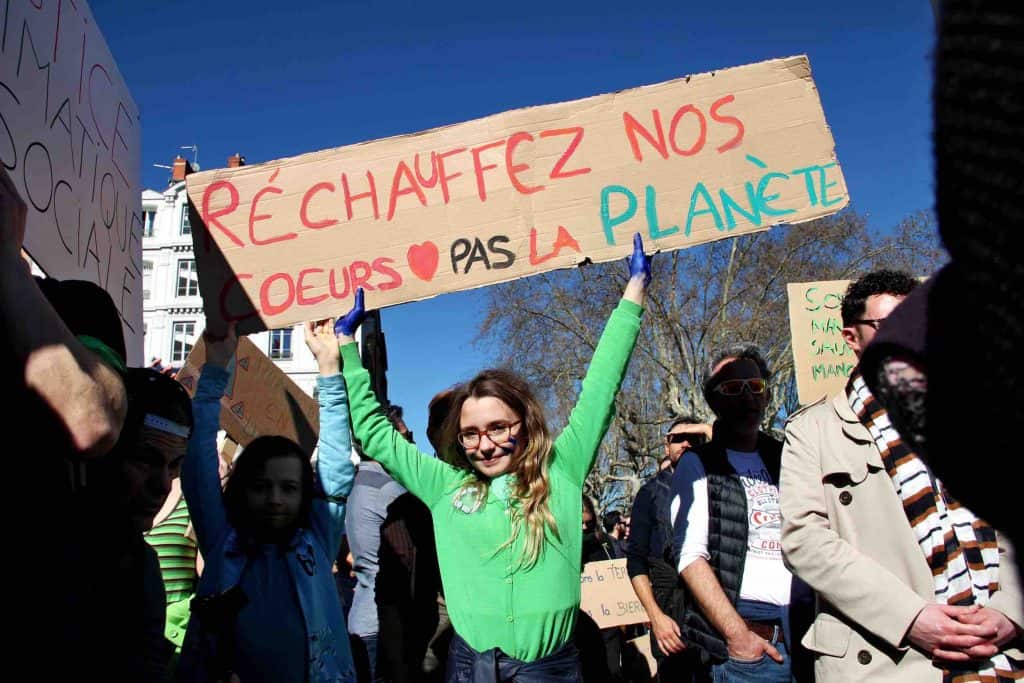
<point x="200" y="473"/>
<point x="335" y="468"/>
<point x="576" y="447"/>
<point x="424" y="476"/>
<point x="85" y="393"/>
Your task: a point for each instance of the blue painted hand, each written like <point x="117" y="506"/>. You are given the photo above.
<point x="348" y="323"/>
<point x="639" y="262"/>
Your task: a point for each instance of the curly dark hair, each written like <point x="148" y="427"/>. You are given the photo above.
<point x="893" y="282"/>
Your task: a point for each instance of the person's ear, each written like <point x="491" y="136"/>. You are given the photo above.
<point x="852" y="339"/>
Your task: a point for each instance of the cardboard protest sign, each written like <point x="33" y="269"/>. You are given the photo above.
<point x="260" y="398"/>
<point x="607" y="595"/>
<point x="822" y="361"/>
<point x="682" y="162"/>
<point x="69" y="139"/>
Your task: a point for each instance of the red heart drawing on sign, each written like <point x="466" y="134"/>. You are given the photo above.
<point x="422" y="260"/>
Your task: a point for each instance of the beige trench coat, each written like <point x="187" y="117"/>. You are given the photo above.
<point x="845" y="533"/>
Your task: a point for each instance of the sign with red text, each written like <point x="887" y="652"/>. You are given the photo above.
<point x="260" y="399"/>
<point x="69" y="139"/>
<point x="607" y="596"/>
<point x="526" y="191"/>
<point x="822" y="362"/>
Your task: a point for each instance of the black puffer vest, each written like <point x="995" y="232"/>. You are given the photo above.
<point x="727" y="537"/>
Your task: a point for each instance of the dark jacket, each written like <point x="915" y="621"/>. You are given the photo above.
<point x="727" y="547"/>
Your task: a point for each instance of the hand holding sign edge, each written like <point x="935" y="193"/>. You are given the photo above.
<point x="347" y="324"/>
<point x="639" y="262"/>
<point x="639" y="272"/>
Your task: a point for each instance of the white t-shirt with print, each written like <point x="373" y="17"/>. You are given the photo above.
<point x="765" y="577"/>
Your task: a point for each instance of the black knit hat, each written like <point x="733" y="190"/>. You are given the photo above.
<point x="86" y="309"/>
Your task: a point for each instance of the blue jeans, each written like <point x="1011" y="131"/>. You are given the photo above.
<point x="765" y="669"/>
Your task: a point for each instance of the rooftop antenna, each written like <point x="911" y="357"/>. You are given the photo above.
<point x="195" y="154"/>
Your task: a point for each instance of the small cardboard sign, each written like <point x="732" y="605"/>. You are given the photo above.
<point x="607" y="595"/>
<point x="260" y="399"/>
<point x="822" y="362"/>
<point x="683" y="162"/>
<point x="69" y="139"/>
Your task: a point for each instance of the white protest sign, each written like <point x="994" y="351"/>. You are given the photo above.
<point x="69" y="139"/>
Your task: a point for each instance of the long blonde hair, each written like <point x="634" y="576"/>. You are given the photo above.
<point x="532" y="488"/>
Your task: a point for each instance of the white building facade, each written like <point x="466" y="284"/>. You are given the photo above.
<point x="172" y="315"/>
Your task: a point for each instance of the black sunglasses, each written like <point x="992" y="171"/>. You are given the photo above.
<point x="680" y="437"/>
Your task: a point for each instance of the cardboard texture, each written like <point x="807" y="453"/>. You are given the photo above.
<point x="607" y="595"/>
<point x="822" y="361"/>
<point x="70" y="141"/>
<point x="683" y="162"/>
<point x="259" y="400"/>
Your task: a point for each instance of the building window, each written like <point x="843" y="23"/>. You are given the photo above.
<point x="186" y="227"/>
<point x="183" y="336"/>
<point x="148" y="219"/>
<point x="281" y="344"/>
<point x="188" y="278"/>
<point x="147" y="279"/>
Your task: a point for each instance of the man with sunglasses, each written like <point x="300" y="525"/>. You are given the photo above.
<point x="727" y="530"/>
<point x="648" y="551"/>
<point x="911" y="586"/>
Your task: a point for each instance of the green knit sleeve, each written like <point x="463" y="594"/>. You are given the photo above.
<point x="425" y="476"/>
<point x="576" y="447"/>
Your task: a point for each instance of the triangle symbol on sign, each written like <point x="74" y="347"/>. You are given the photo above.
<point x="239" y="409"/>
<point x="187" y="383"/>
<point x="244" y="362"/>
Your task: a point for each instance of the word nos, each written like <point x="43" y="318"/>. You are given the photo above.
<point x="69" y="138"/>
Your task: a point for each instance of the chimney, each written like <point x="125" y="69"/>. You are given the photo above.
<point x="181" y="168"/>
<point x="236" y="161"/>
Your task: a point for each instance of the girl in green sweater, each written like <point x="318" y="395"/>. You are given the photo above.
<point x="506" y="499"/>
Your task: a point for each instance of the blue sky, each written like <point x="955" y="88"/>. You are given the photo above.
<point x="271" y="79"/>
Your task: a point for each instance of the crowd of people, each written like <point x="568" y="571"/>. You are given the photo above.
<point x="833" y="553"/>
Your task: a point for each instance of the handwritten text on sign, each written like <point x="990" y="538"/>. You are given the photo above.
<point x="260" y="399"/>
<point x="822" y="360"/>
<point x="606" y="594"/>
<point x="530" y="190"/>
<point x="69" y="138"/>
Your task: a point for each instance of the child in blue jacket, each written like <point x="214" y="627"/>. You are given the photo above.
<point x="267" y="608"/>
